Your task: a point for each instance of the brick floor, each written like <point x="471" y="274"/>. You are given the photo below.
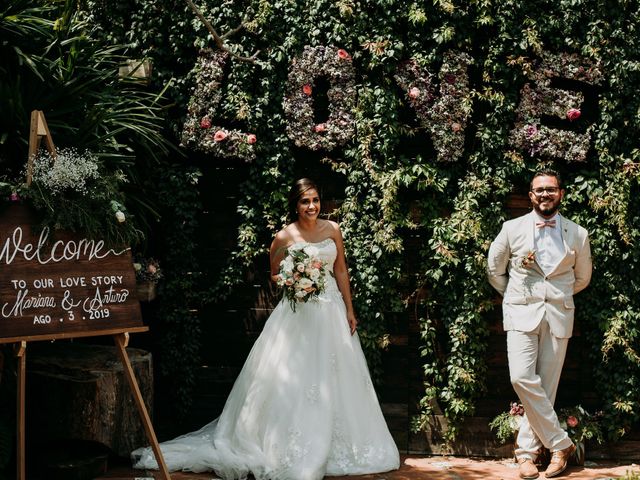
<point x="430" y="468"/>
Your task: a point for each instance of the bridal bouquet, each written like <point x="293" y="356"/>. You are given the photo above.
<point x="302" y="275"/>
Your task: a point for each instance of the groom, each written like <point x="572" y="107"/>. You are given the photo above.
<point x="537" y="263"/>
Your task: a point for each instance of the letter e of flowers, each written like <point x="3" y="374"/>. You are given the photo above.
<point x="539" y="98"/>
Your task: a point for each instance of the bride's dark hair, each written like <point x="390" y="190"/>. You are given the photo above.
<point x="297" y="190"/>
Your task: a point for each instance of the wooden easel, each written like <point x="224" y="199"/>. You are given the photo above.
<point x="40" y="130"/>
<point x="122" y="341"/>
<point x="37" y="132"/>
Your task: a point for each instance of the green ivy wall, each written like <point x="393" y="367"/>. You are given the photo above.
<point x="391" y="183"/>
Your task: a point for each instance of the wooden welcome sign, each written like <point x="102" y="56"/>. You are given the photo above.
<point x="60" y="285"/>
<point x="57" y="285"/>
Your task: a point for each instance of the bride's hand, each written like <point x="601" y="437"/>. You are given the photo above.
<point x="353" y="323"/>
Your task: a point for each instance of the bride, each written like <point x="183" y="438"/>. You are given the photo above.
<point x="303" y="405"/>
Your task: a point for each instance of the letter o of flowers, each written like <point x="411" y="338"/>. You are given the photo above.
<point x="199" y="132"/>
<point x="337" y="66"/>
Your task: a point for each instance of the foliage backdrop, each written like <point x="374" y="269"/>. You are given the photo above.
<point x="394" y="185"/>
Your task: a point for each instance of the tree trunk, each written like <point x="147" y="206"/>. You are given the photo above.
<point x="79" y="391"/>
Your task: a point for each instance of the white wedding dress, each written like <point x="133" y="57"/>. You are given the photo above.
<point x="302" y="407"/>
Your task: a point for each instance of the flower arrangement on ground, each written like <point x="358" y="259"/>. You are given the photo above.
<point x="147" y="275"/>
<point x="302" y="275"/>
<point x="580" y="425"/>
<point x="508" y="423"/>
<point x="147" y="270"/>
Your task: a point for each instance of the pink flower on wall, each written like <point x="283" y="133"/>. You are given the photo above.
<point x="219" y="136"/>
<point x="531" y="130"/>
<point x="321" y="127"/>
<point x="307" y="89"/>
<point x="414" y="93"/>
<point x="343" y="54"/>
<point x="573" y="114"/>
<point x="450" y="78"/>
<point x="251" y="139"/>
<point x="205" y="123"/>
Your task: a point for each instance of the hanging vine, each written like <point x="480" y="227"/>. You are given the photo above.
<point x="496" y="133"/>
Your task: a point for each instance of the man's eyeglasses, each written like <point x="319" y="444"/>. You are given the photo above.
<point x="550" y="190"/>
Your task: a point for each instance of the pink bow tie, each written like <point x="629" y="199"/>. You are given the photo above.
<point x="546" y="223"/>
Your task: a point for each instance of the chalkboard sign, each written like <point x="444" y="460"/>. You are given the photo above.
<point x="61" y="285"/>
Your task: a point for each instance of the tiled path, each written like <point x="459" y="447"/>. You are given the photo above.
<point x="436" y="468"/>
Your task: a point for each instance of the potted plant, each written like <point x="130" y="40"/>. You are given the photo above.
<point x="147" y="275"/>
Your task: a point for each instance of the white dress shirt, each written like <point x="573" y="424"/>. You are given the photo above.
<point x="548" y="244"/>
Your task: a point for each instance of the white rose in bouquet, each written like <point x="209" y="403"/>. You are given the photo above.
<point x="287" y="265"/>
<point x="313" y="273"/>
<point x="305" y="283"/>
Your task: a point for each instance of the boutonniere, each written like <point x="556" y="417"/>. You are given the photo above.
<point x="528" y="259"/>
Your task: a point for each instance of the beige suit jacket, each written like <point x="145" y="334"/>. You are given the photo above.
<point x="529" y="294"/>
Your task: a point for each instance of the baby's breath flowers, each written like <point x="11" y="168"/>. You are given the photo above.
<point x="76" y="192"/>
<point x="71" y="170"/>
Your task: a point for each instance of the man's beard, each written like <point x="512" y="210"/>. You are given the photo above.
<point x="549" y="211"/>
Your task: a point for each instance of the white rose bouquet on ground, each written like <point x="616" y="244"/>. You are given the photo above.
<point x="302" y="275"/>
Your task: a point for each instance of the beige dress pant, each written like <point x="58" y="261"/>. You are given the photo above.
<point x="535" y="365"/>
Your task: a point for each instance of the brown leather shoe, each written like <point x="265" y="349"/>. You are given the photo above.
<point x="528" y="469"/>
<point x="558" y="462"/>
